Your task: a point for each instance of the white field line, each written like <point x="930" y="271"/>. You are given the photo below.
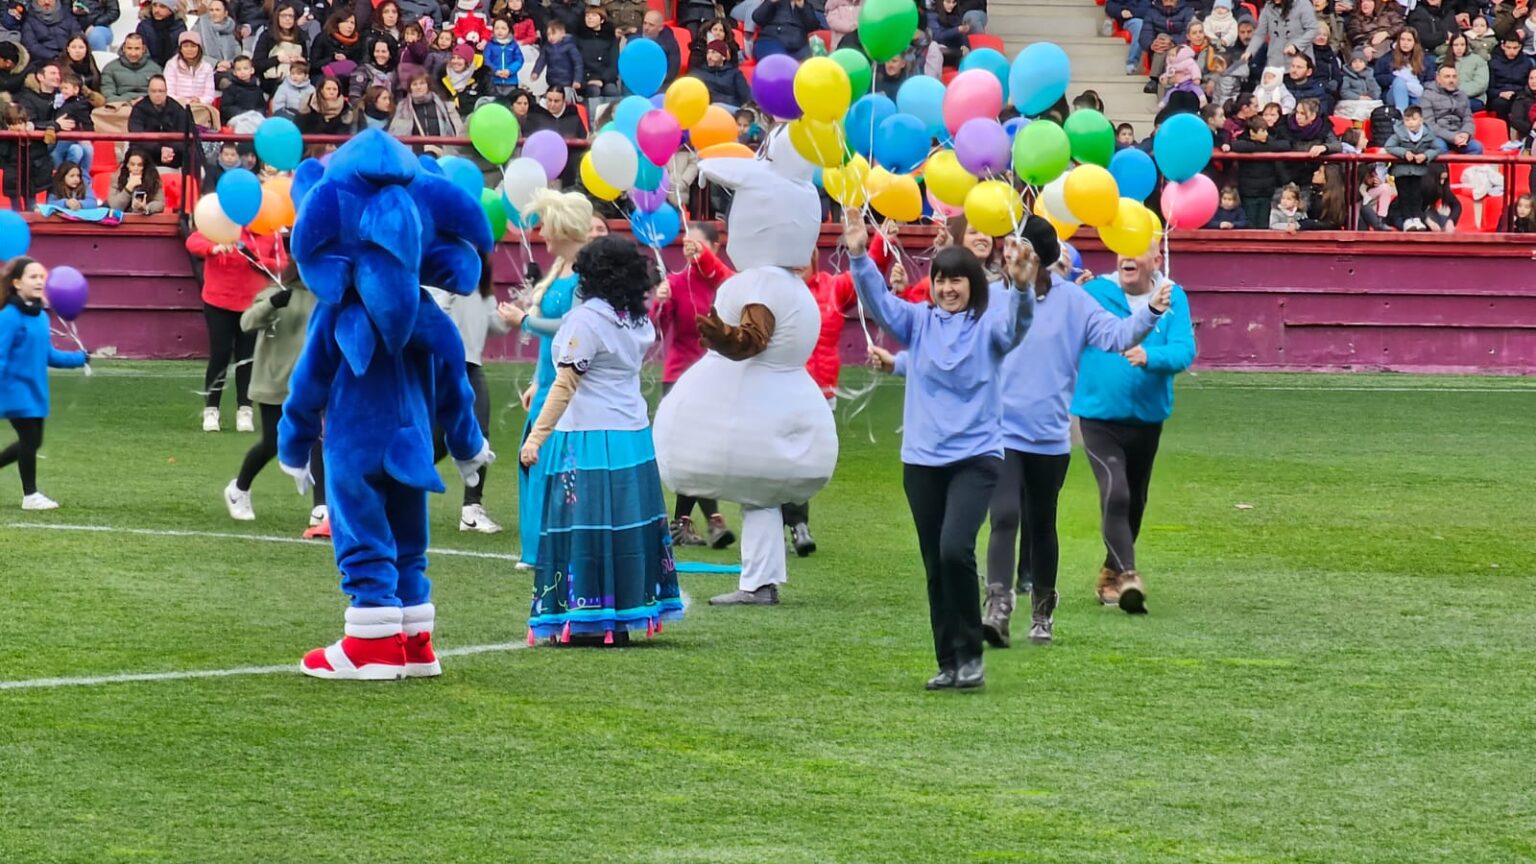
<point x="226" y="535"/>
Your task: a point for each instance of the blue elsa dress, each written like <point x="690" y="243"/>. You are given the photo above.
<point x="557" y="302"/>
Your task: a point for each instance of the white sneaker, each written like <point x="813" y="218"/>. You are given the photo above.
<point x="523" y="565"/>
<point x="38" y="501"/>
<point x="319" y="514"/>
<point x="245" y="421"/>
<point x="239" y="503"/>
<point x="1511" y="146"/>
<point x="210" y="419"/>
<point x="473" y="518"/>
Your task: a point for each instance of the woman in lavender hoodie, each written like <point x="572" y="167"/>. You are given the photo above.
<point x="952" y="443"/>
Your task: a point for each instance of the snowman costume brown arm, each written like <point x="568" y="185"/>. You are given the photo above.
<point x="743" y="341"/>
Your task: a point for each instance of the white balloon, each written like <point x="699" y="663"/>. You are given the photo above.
<point x="524" y="177"/>
<point x="615" y="160"/>
<point x="212" y="223"/>
<point x="1054" y="194"/>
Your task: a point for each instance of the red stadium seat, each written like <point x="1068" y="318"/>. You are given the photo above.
<point x="1342" y="125"/>
<point x="747" y="67"/>
<point x="171" y="182"/>
<point x="1493" y="210"/>
<point x="1491" y="131"/>
<point x="101" y="186"/>
<point x="986" y="40"/>
<point x="586" y="122"/>
<point x="826" y="39"/>
<point x="948" y="74"/>
<point x="684" y="44"/>
<point x="103" y="157"/>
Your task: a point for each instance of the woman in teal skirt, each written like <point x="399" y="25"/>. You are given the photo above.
<point x="564" y="221"/>
<point x="604" y="563"/>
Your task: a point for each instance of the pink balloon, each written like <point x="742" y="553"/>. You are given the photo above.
<point x="658" y="135"/>
<point x="946" y="210"/>
<point x="971" y="94"/>
<point x="1190" y="204"/>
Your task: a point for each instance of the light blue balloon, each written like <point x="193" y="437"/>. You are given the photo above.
<point x="991" y="60"/>
<point x="463" y="174"/>
<point x="516" y="219"/>
<point x="642" y="66"/>
<point x="239" y="195"/>
<point x="648" y="177"/>
<point x="1013" y="126"/>
<point x="15" y="235"/>
<point x="863" y="119"/>
<point x="923" y="98"/>
<point x="279" y="144"/>
<point x="901" y="143"/>
<point x="626" y="118"/>
<point x="1134" y="173"/>
<point x="1182" y="146"/>
<point x="657" y="228"/>
<point x="1039" y="77"/>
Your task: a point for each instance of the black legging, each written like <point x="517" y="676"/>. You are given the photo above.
<point x="796" y="514"/>
<point x="685" y="503"/>
<point x="29" y="440"/>
<point x="226" y="342"/>
<point x="476" y="493"/>
<point x="1121" y="455"/>
<point x="1027" y="489"/>
<point x="948" y="505"/>
<point x="265" y="451"/>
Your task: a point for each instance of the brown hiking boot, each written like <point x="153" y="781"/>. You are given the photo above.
<point x="1109" y="587"/>
<point x="683" y="533"/>
<point x="720" y="534"/>
<point x="996" y="614"/>
<point x="1133" y="594"/>
<point x="1042" y="622"/>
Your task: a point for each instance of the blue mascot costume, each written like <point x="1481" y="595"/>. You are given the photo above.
<point x="382" y="365"/>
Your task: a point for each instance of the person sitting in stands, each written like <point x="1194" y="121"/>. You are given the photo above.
<point x="158" y="112"/>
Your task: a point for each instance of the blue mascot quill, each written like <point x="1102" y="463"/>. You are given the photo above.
<point x="382" y="364"/>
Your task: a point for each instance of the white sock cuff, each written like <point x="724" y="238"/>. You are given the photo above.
<point x="418" y="619"/>
<point x="373" y="622"/>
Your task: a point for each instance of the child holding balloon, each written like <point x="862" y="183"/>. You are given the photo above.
<point x="26" y="353"/>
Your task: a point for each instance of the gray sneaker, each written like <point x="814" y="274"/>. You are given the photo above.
<point x="995" y="616"/>
<point x="1107" y="28"/>
<point x="1041" y="621"/>
<point x="768" y="595"/>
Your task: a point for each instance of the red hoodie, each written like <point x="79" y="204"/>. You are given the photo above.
<point x="230" y="280"/>
<point x="834" y="294"/>
<point x="693" y="293"/>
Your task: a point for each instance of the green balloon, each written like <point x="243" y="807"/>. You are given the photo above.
<point x="1041" y="151"/>
<point x="857" y="66"/>
<point x="1092" y="137"/>
<point x="886" y="27"/>
<point x="493" y="130"/>
<point x="495" y="212"/>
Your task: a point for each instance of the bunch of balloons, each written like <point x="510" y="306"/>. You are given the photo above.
<point x="241" y="200"/>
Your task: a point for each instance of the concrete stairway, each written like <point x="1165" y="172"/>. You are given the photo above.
<point x="1098" y="62"/>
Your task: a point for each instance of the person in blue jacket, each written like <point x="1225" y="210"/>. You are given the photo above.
<point x="952" y="441"/>
<point x="25" y="355"/>
<point x="1123" y="399"/>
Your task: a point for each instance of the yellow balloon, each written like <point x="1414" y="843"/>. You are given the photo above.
<point x="947" y="179"/>
<point x="1157" y="226"/>
<point x="820" y="143"/>
<point x="994" y="208"/>
<point x="878" y="179"/>
<point x="1064" y="229"/>
<point x="899" y="199"/>
<point x="1092" y="195"/>
<point x="847" y="184"/>
<point x="1130" y="234"/>
<point x="687" y="100"/>
<point x="822" y="89"/>
<point x="595" y="184"/>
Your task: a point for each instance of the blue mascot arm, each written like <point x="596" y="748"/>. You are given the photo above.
<point x="309" y="389"/>
<point x="455" y="409"/>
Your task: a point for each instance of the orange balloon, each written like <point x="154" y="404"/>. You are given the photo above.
<point x="717" y="127"/>
<point x="276" y="210"/>
<point x="731" y="150"/>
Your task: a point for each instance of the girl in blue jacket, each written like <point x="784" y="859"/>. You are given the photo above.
<point x="1122" y="400"/>
<point x="25" y="355"/>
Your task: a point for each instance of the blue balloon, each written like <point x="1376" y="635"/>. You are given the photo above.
<point x="15" y="235"/>
<point x="239" y="195"/>
<point x="923" y="98"/>
<point x="626" y="117"/>
<point x="1182" y="146"/>
<point x="659" y="100"/>
<point x="642" y="66"/>
<point x="1134" y="173"/>
<point x="99" y="38"/>
<point x="518" y="220"/>
<point x="990" y="59"/>
<point x="901" y="143"/>
<point x="648" y="178"/>
<point x="863" y="119"/>
<point x="464" y="174"/>
<point x="1039" y="77"/>
<point x="657" y="228"/>
<point x="279" y="143"/>
<point x="1013" y="126"/>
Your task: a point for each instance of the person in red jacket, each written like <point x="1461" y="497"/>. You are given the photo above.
<point x="232" y="277"/>
<point x="675" y="311"/>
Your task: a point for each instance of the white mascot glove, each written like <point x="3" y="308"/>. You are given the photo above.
<point x="469" y="469"/>
<point x="301" y="476"/>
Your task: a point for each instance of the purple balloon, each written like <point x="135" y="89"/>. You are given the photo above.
<point x="648" y="201"/>
<point x="659" y="100"/>
<point x="982" y="146"/>
<point x="773" y="86"/>
<point x="547" y="148"/>
<point x="66" y="292"/>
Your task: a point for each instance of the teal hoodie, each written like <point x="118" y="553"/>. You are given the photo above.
<point x="1110" y="388"/>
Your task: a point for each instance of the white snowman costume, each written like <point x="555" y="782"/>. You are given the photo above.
<point x="757" y="431"/>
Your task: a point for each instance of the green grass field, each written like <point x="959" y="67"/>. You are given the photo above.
<point x="1343" y="673"/>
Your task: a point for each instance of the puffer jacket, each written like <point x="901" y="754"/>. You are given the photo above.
<point x="1400" y="145"/>
<point x="45" y="35"/>
<point x="96" y="13"/>
<point x="1446" y="114"/>
<point x="1298" y="28"/>
<point x="1162" y="21"/>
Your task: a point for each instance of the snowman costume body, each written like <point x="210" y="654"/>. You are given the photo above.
<point x="756" y="430"/>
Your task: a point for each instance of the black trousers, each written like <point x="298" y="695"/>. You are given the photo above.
<point x="796" y="514"/>
<point x="948" y="505"/>
<point x="1121" y="455"/>
<point x="685" y="503"/>
<point x="476" y="493"/>
<point x="265" y="450"/>
<point x="23" y="451"/>
<point x="1027" y="489"/>
<point x="227" y="342"/>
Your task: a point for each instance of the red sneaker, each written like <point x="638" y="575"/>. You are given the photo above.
<point x="321" y="531"/>
<point x="356" y="659"/>
<point x="420" y="659"/>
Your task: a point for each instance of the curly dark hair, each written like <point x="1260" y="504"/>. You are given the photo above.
<point x="616" y="270"/>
